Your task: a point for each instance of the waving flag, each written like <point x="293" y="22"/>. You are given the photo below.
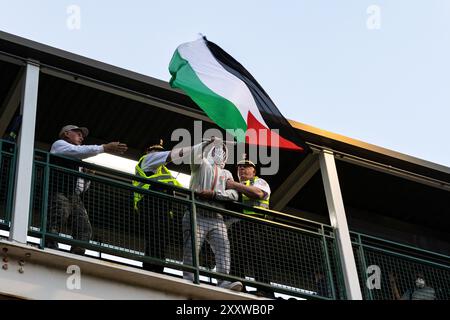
<point x="230" y="96"/>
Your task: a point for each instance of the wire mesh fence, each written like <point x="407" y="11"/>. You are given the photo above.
<point x="92" y="211"/>
<point x="7" y="165"/>
<point x="274" y="253"/>
<point x="362" y="271"/>
<point x="37" y="203"/>
<point x="97" y="211"/>
<point x="337" y="284"/>
<point x="266" y="254"/>
<point x="390" y="271"/>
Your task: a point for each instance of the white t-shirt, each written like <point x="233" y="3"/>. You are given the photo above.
<point x="65" y="148"/>
<point x="80" y="152"/>
<point x="203" y="175"/>
<point x="264" y="186"/>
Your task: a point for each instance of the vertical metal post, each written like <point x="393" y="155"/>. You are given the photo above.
<point x="339" y="223"/>
<point x="25" y="151"/>
<point x="1" y="153"/>
<point x="328" y="264"/>
<point x="339" y="272"/>
<point x="44" y="212"/>
<point x="195" y="249"/>
<point x="364" y="266"/>
<point x="12" y="172"/>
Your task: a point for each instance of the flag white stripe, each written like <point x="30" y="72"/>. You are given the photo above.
<point x="219" y="80"/>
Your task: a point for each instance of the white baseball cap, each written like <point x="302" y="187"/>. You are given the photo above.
<point x="69" y="127"/>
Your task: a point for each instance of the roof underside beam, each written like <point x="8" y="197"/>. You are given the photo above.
<point x="295" y="182"/>
<point x="8" y="58"/>
<point x="126" y="93"/>
<point x="391" y="170"/>
<point x="11" y="103"/>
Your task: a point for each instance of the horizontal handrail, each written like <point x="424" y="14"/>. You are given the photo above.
<point x="121" y="236"/>
<point x="405" y="246"/>
<point x="201" y="204"/>
<point x="131" y="177"/>
<point x="407" y="256"/>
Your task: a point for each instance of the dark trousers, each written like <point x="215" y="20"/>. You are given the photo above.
<point x="68" y="213"/>
<point x="153" y="223"/>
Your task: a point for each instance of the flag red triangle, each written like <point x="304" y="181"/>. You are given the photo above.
<point x="258" y="134"/>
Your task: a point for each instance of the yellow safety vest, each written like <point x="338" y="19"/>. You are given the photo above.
<point x="162" y="175"/>
<point x="258" y="203"/>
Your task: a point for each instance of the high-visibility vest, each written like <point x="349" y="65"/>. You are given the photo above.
<point x="162" y="175"/>
<point x="258" y="203"/>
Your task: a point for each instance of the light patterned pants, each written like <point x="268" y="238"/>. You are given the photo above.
<point x="210" y="227"/>
<point x="69" y="213"/>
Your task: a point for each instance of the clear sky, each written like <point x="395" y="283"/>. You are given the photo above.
<point x="377" y="71"/>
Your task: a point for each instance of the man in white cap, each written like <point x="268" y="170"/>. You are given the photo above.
<point x="249" y="241"/>
<point x="255" y="190"/>
<point x="67" y="202"/>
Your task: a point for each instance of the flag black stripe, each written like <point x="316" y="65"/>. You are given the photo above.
<point x="270" y="113"/>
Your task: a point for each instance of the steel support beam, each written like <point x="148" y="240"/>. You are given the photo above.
<point x="9" y="58"/>
<point x="339" y="223"/>
<point x="11" y="104"/>
<point x="25" y="151"/>
<point x="387" y="169"/>
<point x="295" y="182"/>
<point x="129" y="94"/>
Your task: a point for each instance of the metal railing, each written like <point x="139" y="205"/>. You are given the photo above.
<point x="7" y="172"/>
<point x="272" y="252"/>
<point x="398" y="267"/>
<point x="278" y="253"/>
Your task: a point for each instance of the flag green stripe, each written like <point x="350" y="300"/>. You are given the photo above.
<point x="220" y="110"/>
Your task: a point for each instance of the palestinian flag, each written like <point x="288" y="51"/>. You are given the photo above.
<point x="230" y="96"/>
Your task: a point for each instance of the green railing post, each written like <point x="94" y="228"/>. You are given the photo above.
<point x="32" y="192"/>
<point x="362" y="259"/>
<point x="1" y="154"/>
<point x="7" y="183"/>
<point x="339" y="272"/>
<point x="45" y="189"/>
<point x="12" y="170"/>
<point x="195" y="254"/>
<point x="327" y="260"/>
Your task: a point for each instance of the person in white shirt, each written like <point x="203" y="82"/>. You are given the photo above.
<point x="208" y="181"/>
<point x="250" y="243"/>
<point x="66" y="191"/>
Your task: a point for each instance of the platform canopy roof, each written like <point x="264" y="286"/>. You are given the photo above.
<point x="118" y="104"/>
